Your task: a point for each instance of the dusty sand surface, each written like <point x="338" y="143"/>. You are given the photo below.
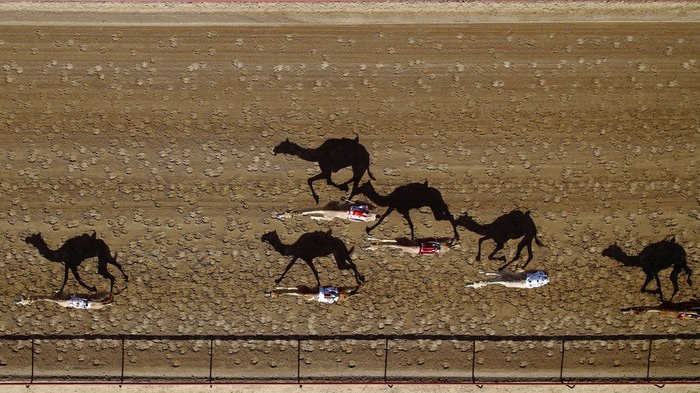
<point x="352" y="388"/>
<point x="158" y="135"/>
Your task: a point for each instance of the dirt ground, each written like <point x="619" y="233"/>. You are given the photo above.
<point x="154" y="127"/>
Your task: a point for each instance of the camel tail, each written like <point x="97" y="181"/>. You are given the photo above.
<point x="371" y="176"/>
<point x="539" y="243"/>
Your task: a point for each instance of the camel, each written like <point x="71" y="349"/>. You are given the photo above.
<point x="351" y="211"/>
<point x="332" y="156"/>
<point x="327" y="295"/>
<point x="682" y="310"/>
<point x="513" y="225"/>
<point x="522" y="279"/>
<point x="654" y="258"/>
<point x="312" y="245"/>
<point x="407" y="197"/>
<point x="76" y="250"/>
<point x="424" y="246"/>
<point x="85" y="301"/>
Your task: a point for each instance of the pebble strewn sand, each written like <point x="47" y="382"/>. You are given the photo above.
<point x="160" y="139"/>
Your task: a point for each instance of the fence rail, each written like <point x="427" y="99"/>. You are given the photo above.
<point x="366" y="358"/>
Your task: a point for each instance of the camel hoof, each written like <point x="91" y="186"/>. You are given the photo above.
<point x="93" y="289"/>
<point x="316" y="199"/>
<point x="368" y="230"/>
<point x="126" y="278"/>
<point x="360" y="279"/>
<point x="343" y="187"/>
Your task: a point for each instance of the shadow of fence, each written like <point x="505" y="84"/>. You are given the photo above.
<point x="384" y="359"/>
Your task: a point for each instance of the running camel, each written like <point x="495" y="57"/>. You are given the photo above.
<point x="332" y="156"/>
<point x="312" y="245"/>
<point x="76" y="250"/>
<point x="407" y="197"/>
<point x="513" y="225"/>
<point x="653" y="259"/>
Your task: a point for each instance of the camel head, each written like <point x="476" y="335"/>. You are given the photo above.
<point x="285" y="147"/>
<point x="270" y="237"/>
<point x="363" y="189"/>
<point x="34" y="239"/>
<point x="615" y="252"/>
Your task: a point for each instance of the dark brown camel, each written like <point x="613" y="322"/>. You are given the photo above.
<point x="407" y="197"/>
<point x="513" y="225"/>
<point x="653" y="259"/>
<point x="74" y="251"/>
<point x="332" y="156"/>
<point x="312" y="245"/>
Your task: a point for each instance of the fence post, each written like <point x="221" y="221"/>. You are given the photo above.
<point x="561" y="366"/>
<point x="649" y="358"/>
<point x="473" y="361"/>
<point x="121" y="379"/>
<point x="211" y="359"/>
<point x="299" y="361"/>
<point x="386" y="357"/>
<point x="31" y="378"/>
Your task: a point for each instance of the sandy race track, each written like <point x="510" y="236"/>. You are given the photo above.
<point x="155" y="128"/>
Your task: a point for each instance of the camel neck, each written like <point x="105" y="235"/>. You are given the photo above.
<point x="304" y="153"/>
<point x="628" y="260"/>
<point x="280" y="247"/>
<point x="471" y="225"/>
<point x="377" y="199"/>
<point x="46" y="252"/>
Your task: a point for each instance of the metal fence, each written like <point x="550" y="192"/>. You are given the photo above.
<point x="385" y="359"/>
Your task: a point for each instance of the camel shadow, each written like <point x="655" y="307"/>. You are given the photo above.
<point x="332" y="156"/>
<point x="653" y="259"/>
<point x="310" y="246"/>
<point x="405" y="198"/>
<point x="512" y="225"/>
<point x="76" y="250"/>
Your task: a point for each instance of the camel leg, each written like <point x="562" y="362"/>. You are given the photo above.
<point x="658" y="285"/>
<point x="388" y="211"/>
<point x="646" y="282"/>
<point x="74" y="270"/>
<point x="529" y="253"/>
<point x="113" y="262"/>
<point x="689" y="272"/>
<point x="478" y="249"/>
<point x="310" y="262"/>
<point x="674" y="280"/>
<point x="519" y="249"/>
<point x="357" y="172"/>
<point x="313" y="179"/>
<point x="65" y="277"/>
<point x="407" y="216"/>
<point x="289" y="265"/>
<point x="344" y="262"/>
<point x="499" y="247"/>
<point x="453" y="222"/>
<point x="102" y="271"/>
<point x="445" y="215"/>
